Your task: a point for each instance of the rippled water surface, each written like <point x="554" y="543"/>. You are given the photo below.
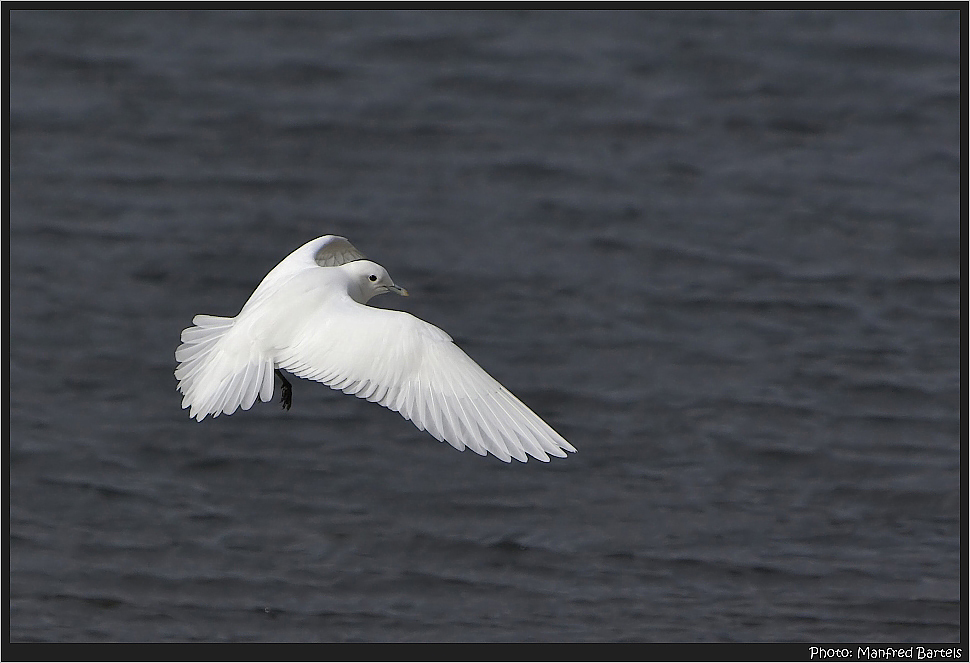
<point x="719" y="252"/>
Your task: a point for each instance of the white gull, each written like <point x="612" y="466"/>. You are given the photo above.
<point x="309" y="317"/>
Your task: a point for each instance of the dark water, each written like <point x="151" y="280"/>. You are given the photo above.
<point x="719" y="252"/>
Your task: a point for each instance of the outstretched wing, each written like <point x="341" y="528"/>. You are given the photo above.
<point x="414" y="368"/>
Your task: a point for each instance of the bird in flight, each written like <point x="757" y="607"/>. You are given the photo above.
<point x="309" y="317"/>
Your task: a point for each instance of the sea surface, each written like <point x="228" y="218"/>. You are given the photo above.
<point x="720" y="252"/>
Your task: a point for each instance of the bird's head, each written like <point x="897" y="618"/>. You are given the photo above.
<point x="369" y="279"/>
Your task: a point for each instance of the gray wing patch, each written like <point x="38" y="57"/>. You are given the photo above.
<point x="336" y="251"/>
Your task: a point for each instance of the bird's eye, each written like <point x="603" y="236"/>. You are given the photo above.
<point x="373" y="277"/>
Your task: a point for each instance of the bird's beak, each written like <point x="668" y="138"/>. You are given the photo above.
<point x="398" y="289"/>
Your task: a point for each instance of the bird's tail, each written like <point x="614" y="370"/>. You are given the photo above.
<point x="216" y="373"/>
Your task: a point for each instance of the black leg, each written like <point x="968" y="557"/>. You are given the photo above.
<point x="286" y="391"/>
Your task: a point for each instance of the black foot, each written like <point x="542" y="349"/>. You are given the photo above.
<point x="286" y="391"/>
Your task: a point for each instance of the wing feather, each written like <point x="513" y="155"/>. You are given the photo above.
<point x="414" y="368"/>
<point x="335" y="250"/>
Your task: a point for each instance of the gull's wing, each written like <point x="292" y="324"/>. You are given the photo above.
<point x="334" y="250"/>
<point x="414" y="368"/>
<point x="326" y="251"/>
